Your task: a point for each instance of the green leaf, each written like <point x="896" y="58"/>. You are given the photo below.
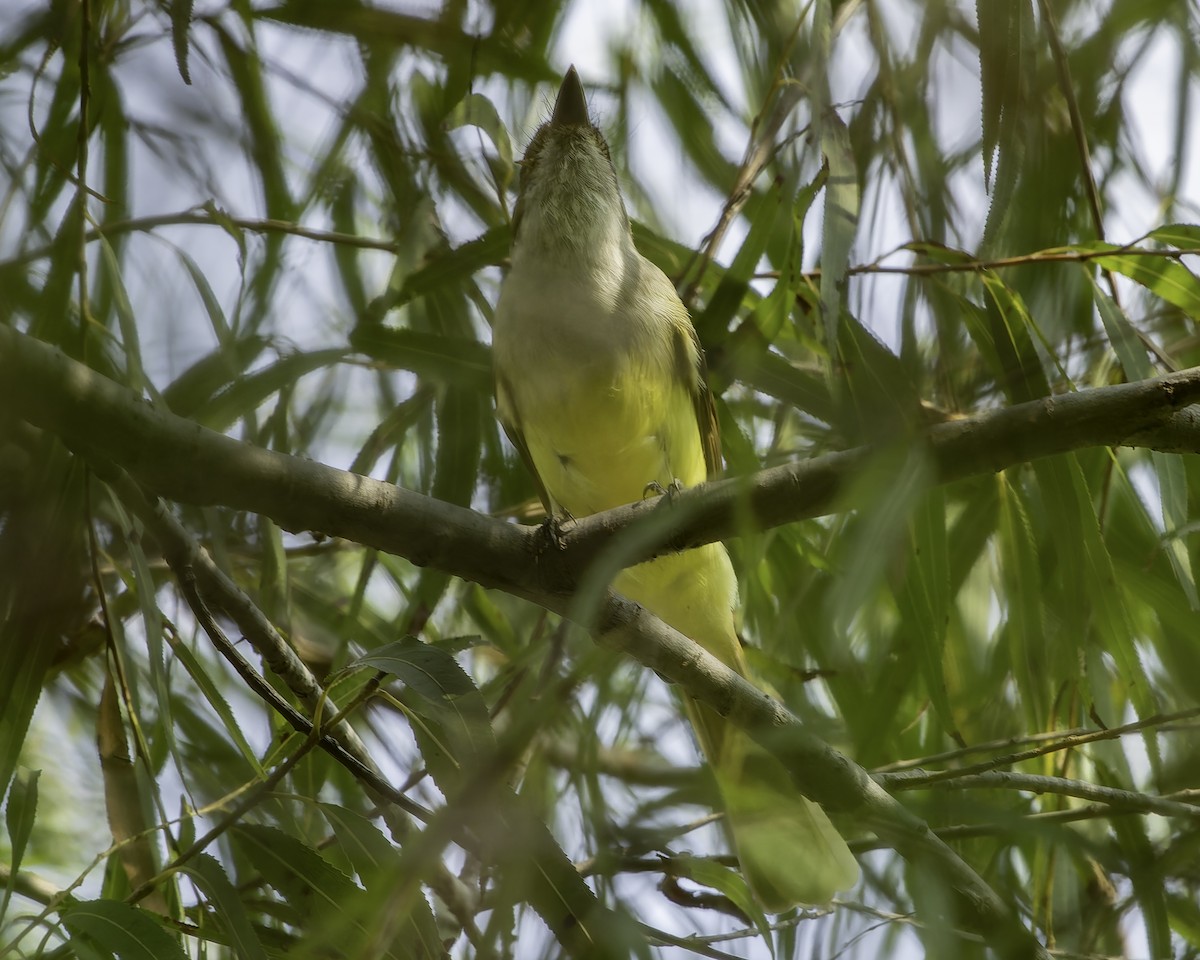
<point x="212" y="306"/>
<point x="840" y="223"/>
<point x="247" y="393"/>
<point x="181" y="19"/>
<point x="120" y="929"/>
<point x="689" y="116"/>
<point x="373" y="26"/>
<point x="763" y="212"/>
<point x="893" y="483"/>
<point x="730" y="883"/>
<point x="228" y="908"/>
<point x="211" y="692"/>
<point x="779" y="378"/>
<point x="1093" y="588"/>
<point x="197" y="384"/>
<point x="1167" y="279"/>
<point x="1024" y="629"/>
<point x="454" y="268"/>
<point x="454" y="730"/>
<point x="135" y="375"/>
<point x="1001" y="75"/>
<point x="433" y="356"/>
<point x="476" y="110"/>
<point x="308" y="882"/>
<point x="1005" y="339"/>
<point x="1172" y="480"/>
<point x="1185" y="236"/>
<point x="368" y="850"/>
<point x="1148" y="886"/>
<point x="924" y="600"/>
<point x="378" y="865"/>
<point x="19" y="815"/>
<point x="23" y="667"/>
<point x="1173" y="495"/>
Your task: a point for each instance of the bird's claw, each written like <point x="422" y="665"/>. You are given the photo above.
<point x="670" y="491"/>
<point x="552" y="529"/>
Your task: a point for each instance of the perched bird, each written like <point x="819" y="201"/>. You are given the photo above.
<point x="600" y="384"/>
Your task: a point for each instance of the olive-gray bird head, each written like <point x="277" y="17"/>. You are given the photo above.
<point x="569" y="204"/>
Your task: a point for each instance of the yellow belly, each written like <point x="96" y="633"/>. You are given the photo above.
<point x="597" y="442"/>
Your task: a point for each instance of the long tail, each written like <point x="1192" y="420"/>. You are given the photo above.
<point x="789" y="851"/>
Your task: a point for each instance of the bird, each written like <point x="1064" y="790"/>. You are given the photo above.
<point x="601" y="386"/>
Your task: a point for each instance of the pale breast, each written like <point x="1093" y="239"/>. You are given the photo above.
<point x="595" y="389"/>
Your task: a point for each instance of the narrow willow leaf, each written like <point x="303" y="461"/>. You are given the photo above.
<point x="1000" y="73"/>
<point x="453" y="726"/>
<point x="212" y="306"/>
<point x="1185" y="917"/>
<point x="924" y="600"/>
<point x="181" y="19"/>
<point x="840" y="223"/>
<point x="1148" y="886"/>
<point x="1167" y="279"/>
<point x="779" y="378"/>
<point x="1024" y="632"/>
<point x="378" y="866"/>
<point x="372" y="26"/>
<point x="202" y="677"/>
<point x="202" y="380"/>
<point x="893" y="483"/>
<point x="58" y="135"/>
<point x="391" y="431"/>
<point x="263" y="140"/>
<point x="771" y="314"/>
<point x="1172" y="479"/>
<point x="763" y="212"/>
<point x="247" y="393"/>
<point x="145" y="589"/>
<point x="476" y="110"/>
<point x="690" y="118"/>
<point x="308" y="882"/>
<point x="1019" y="370"/>
<point x="273" y="584"/>
<point x="1173" y="495"/>
<point x="135" y="374"/>
<point x="1095" y="588"/>
<point x="364" y="844"/>
<point x="454" y="268"/>
<point x="667" y="16"/>
<point x="1185" y="236"/>
<point x="152" y="624"/>
<point x="731" y="884"/>
<point x="121" y="929"/>
<point x="433" y="356"/>
<point x="228" y="908"/>
<point x="18" y="817"/>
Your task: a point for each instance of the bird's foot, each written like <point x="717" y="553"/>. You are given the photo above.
<point x="670" y="491"/>
<point x="551" y="531"/>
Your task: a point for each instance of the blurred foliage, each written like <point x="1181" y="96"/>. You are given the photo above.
<point x="287" y="221"/>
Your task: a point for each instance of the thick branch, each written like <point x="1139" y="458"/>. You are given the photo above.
<point x="181" y="460"/>
<point x="186" y="462"/>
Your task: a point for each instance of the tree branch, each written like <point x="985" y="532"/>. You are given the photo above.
<point x="179" y="459"/>
<point x="1039" y="784"/>
<point x="183" y="461"/>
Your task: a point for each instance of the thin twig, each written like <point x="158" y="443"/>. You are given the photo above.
<point x="1039" y="784"/>
<point x="925" y="778"/>
<point x="1063" y="737"/>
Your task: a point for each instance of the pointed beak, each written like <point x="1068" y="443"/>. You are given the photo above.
<point x="571" y="106"/>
